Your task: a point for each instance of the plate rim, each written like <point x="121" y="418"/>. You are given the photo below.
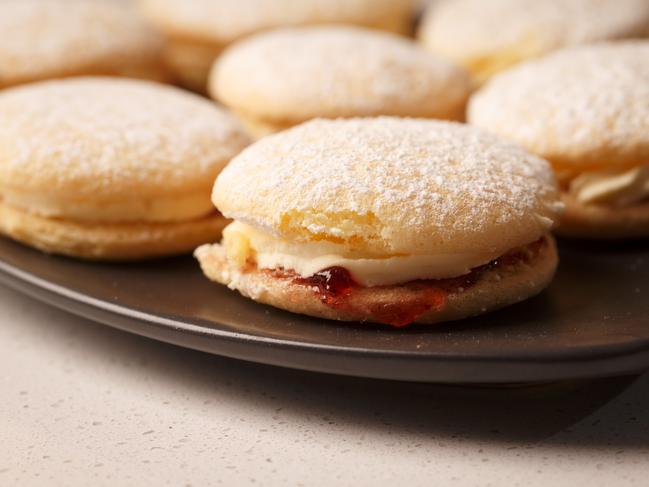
<point x="102" y="311"/>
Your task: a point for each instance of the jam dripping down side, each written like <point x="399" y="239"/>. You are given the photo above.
<point x="403" y="313"/>
<point x="335" y="286"/>
<point x="337" y="289"/>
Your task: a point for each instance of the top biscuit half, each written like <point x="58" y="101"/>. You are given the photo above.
<point x="281" y="78"/>
<point x="198" y="30"/>
<point x="44" y="39"/>
<point x="586" y="110"/>
<point x="489" y="36"/>
<point x="110" y="168"/>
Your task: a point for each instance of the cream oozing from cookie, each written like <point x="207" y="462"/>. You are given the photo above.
<point x="613" y="187"/>
<point x="154" y="209"/>
<point x="243" y="242"/>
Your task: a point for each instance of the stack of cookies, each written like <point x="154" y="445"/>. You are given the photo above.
<point x="341" y="166"/>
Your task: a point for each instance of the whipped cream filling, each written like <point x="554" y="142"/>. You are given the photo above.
<point x="612" y="187"/>
<point x="169" y="209"/>
<point x="242" y="241"/>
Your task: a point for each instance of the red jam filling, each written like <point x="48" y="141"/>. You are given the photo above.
<point x="402" y="314"/>
<point x="335" y="286"/>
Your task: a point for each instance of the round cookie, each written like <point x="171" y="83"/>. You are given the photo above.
<point x="586" y="110"/>
<point x="385" y="219"/>
<point x="44" y="39"/>
<point x="109" y="168"/>
<point x="198" y="30"/>
<point x="489" y="36"/>
<point x="284" y="77"/>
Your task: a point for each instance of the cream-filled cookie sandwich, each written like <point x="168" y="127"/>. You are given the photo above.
<point x="586" y="110"/>
<point x="487" y="37"/>
<point x="198" y="30"/>
<point x="386" y="220"/>
<point x="43" y="39"/>
<point x="278" y="79"/>
<point x="109" y="168"/>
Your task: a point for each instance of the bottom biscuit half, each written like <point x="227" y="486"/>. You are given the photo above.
<point x="602" y="221"/>
<point x="332" y="294"/>
<point x="109" y="241"/>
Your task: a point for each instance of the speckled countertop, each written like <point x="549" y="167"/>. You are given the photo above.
<point x="83" y="404"/>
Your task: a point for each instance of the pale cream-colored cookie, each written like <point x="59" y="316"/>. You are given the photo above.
<point x="104" y="167"/>
<point x="586" y="110"/>
<point x="108" y="240"/>
<point x="42" y="39"/>
<point x="385" y="219"/>
<point x="489" y="36"/>
<point x="198" y="30"/>
<point x="284" y="77"/>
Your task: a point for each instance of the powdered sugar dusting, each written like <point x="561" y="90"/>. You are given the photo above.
<point x="108" y="136"/>
<point x="297" y="74"/>
<point x="470" y="29"/>
<point x="430" y="186"/>
<point x="41" y="38"/>
<point x="578" y="106"/>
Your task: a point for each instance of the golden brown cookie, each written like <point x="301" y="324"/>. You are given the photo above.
<point x="282" y="78"/>
<point x="487" y="37"/>
<point x="586" y="110"/>
<point x="198" y="30"/>
<point x="42" y="39"/>
<point x="108" y="168"/>
<point x="385" y="219"/>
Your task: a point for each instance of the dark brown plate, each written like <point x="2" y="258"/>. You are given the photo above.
<point x="592" y="321"/>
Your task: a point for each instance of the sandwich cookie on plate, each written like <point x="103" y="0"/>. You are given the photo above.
<point x="488" y="36"/>
<point x="198" y="30"/>
<point x="108" y="168"/>
<point x="385" y="220"/>
<point x="586" y="110"/>
<point x="282" y="78"/>
<point x="42" y="39"/>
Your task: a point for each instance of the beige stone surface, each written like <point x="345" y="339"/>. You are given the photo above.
<point x="83" y="404"/>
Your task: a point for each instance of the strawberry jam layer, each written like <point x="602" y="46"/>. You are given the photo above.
<point x="337" y="289"/>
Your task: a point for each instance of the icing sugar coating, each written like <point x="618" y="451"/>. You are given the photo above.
<point x="297" y="74"/>
<point x="223" y="21"/>
<point x="580" y="107"/>
<point x="468" y="30"/>
<point x="48" y="38"/>
<point x="111" y="138"/>
<point x="389" y="186"/>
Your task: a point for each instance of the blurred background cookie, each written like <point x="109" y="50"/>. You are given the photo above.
<point x="278" y="79"/>
<point x="108" y="168"/>
<point x="487" y="36"/>
<point x="41" y="39"/>
<point x="385" y="219"/>
<point x="586" y="110"/>
<point x="198" y="30"/>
